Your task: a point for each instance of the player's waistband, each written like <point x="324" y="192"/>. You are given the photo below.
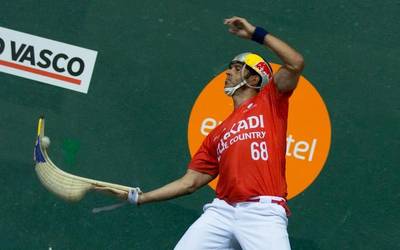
<point x="267" y="199"/>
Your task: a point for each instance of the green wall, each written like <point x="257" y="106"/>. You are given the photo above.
<point x="154" y="58"/>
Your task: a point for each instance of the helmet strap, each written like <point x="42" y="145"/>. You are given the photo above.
<point x="231" y="90"/>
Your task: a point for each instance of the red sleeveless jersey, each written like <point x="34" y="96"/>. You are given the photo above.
<point x="248" y="149"/>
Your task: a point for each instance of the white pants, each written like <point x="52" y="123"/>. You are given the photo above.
<point x="245" y="225"/>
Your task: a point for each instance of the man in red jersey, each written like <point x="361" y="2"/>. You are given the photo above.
<point x="247" y="151"/>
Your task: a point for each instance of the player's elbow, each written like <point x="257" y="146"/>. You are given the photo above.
<point x="191" y="189"/>
<point x="189" y="186"/>
<point x="194" y="180"/>
<point x="298" y="63"/>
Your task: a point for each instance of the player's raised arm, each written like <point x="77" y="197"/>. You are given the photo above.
<point x="293" y="63"/>
<point x="187" y="184"/>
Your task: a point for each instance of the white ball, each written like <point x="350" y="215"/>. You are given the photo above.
<point x="45" y="141"/>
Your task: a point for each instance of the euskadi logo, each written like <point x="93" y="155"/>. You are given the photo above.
<point x="46" y="60"/>
<point x="308" y="136"/>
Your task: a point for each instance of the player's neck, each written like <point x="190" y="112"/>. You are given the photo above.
<point x="243" y="95"/>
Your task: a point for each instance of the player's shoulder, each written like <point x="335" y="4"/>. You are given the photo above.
<point x="271" y="91"/>
<point x="270" y="86"/>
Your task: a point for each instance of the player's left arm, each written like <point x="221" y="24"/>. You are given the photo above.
<point x="293" y="63"/>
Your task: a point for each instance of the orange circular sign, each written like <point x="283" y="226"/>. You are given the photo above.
<point x="308" y="135"/>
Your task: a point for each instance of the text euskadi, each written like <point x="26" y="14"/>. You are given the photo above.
<point x="299" y="149"/>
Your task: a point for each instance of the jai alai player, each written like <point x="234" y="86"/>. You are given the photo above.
<point x="247" y="151"/>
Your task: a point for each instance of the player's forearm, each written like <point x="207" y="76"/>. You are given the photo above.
<point x="290" y="57"/>
<point x="169" y="191"/>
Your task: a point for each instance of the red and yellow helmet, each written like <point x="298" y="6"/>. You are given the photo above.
<point x="258" y="64"/>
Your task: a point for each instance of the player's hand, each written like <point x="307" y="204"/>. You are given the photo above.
<point x="240" y="27"/>
<point x="116" y="192"/>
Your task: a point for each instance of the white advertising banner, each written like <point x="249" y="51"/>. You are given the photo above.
<point x="46" y="60"/>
